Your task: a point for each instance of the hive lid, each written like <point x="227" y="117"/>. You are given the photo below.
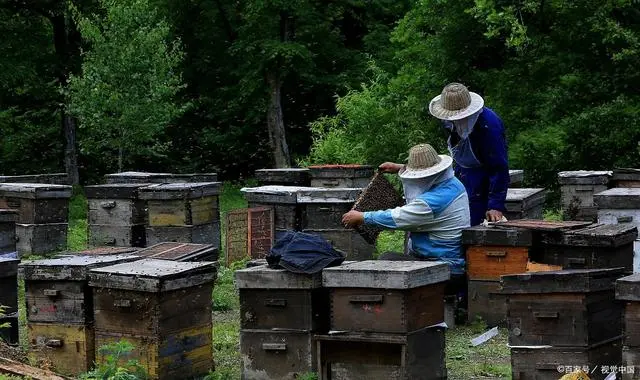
<point x="584" y="177"/>
<point x="272" y="194"/>
<point x="626" y="174"/>
<point x="263" y="277"/>
<point x="8" y="267"/>
<point x="70" y="268"/>
<point x="524" y="199"/>
<point x="341" y="171"/>
<point x="152" y="275"/>
<point x="136" y="175"/>
<point x="328" y="195"/>
<point x="8" y="215"/>
<point x="562" y="281"/>
<point x="516" y="175"/>
<point x="507" y="236"/>
<point x="195" y="177"/>
<point x="114" y="190"/>
<point x="101" y="251"/>
<point x="628" y="288"/>
<point x="180" y="252"/>
<point x="35" y="190"/>
<point x="382" y="274"/>
<point x="596" y="235"/>
<point x="190" y="190"/>
<point x="618" y="198"/>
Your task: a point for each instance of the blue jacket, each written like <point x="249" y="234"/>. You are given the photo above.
<point x="436" y="219"/>
<point x="487" y="184"/>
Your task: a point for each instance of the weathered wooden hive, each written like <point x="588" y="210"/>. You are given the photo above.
<point x="50" y="178"/>
<point x="117" y="215"/>
<point x="8" y="238"/>
<point x="183" y="212"/>
<point x="146" y="177"/>
<point x="342" y="176"/>
<point x="386" y="312"/>
<point x="628" y="292"/>
<point x="621" y="206"/>
<point x="163" y="308"/>
<point x="180" y="252"/>
<point x="558" y="317"/>
<point x="578" y="189"/>
<point x="9" y="299"/>
<point x="626" y="177"/>
<point x="491" y="253"/>
<point x="283" y="177"/>
<point x="321" y="213"/>
<point x="284" y="202"/>
<point x="525" y="203"/>
<point x="279" y="313"/>
<point x="60" y="308"/>
<point x="516" y="178"/>
<point x="43" y="214"/>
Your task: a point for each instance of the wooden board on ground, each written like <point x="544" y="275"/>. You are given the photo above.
<point x="12" y="367"/>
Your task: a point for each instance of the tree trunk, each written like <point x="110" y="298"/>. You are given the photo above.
<point x="275" y="123"/>
<point x="120" y="158"/>
<point x="70" y="152"/>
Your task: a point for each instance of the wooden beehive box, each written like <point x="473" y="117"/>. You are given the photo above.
<point x="36" y="203"/>
<point x="595" y="246"/>
<point x="183" y="212"/>
<point x="146" y="177"/>
<point x="117" y="215"/>
<point x="284" y="202"/>
<point x="628" y="291"/>
<point x="163" y="308"/>
<point x="626" y="177"/>
<point x="567" y="308"/>
<point x="619" y="206"/>
<point x="516" y="178"/>
<point x="578" y="189"/>
<point x="349" y="242"/>
<point x="50" y="178"/>
<point x="525" y="203"/>
<point x="344" y="176"/>
<point x="8" y="219"/>
<point x="279" y="299"/>
<point x="180" y="252"/>
<point x="355" y="356"/>
<point x="386" y="296"/>
<point x="9" y="285"/>
<point x="283" y="177"/>
<point x="40" y="239"/>
<point x="323" y="208"/>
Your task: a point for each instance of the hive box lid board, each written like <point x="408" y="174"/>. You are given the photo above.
<point x="35" y="190"/>
<point x="522" y="199"/>
<point x="341" y="171"/>
<point x="285" y="170"/>
<point x="481" y="235"/>
<point x="331" y="195"/>
<point x="272" y="194"/>
<point x="101" y="251"/>
<point x="114" y="190"/>
<point x="263" y="277"/>
<point x="628" y="288"/>
<point x="381" y="274"/>
<point x="8" y="215"/>
<point x="626" y="174"/>
<point x="169" y="191"/>
<point x="562" y="281"/>
<point x="599" y="235"/>
<point x="71" y="268"/>
<point x="177" y="251"/>
<point x="138" y="175"/>
<point x="8" y="267"/>
<point x="152" y="275"/>
<point x="584" y="177"/>
<point x="618" y="198"/>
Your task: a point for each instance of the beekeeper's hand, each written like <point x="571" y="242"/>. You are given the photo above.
<point x="353" y="218"/>
<point x="390" y="167"/>
<point x="494" y="216"/>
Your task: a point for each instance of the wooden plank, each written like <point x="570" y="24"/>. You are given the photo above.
<point x="35" y="190"/>
<point x="564" y="281"/>
<point x="543" y="225"/>
<point x="618" y="198"/>
<point x="502" y="236"/>
<point x="74" y="268"/>
<point x="385" y="274"/>
<point x="263" y="277"/>
<point x="12" y="367"/>
<point x="69" y="347"/>
<point x="169" y="191"/>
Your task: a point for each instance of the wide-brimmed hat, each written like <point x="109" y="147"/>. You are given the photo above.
<point x="424" y="161"/>
<point x="456" y="102"/>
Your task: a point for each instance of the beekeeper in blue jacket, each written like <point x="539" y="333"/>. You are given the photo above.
<point x="478" y="146"/>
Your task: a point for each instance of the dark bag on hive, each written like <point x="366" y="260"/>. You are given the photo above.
<point x="378" y="195"/>
<point x="301" y="252"/>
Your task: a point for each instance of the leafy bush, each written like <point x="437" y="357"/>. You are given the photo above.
<point x="112" y="367"/>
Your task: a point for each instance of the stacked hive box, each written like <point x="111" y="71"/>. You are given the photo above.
<point x="144" y="177"/>
<point x="525" y="203"/>
<point x="342" y="176"/>
<point x="621" y="206"/>
<point x="43" y="214"/>
<point x="60" y="308"/>
<point x="628" y="291"/>
<point x="385" y="313"/>
<point x="516" y="178"/>
<point x="578" y="188"/>
<point x="283" y="200"/>
<point x="595" y="246"/>
<point x="626" y="177"/>
<point x="116" y="215"/>
<point x="491" y="253"/>
<point x="322" y="211"/>
<point x="561" y="318"/>
<point x="279" y="313"/>
<point x="163" y="308"/>
<point x="8" y="219"/>
<point x="182" y="212"/>
<point x="9" y="299"/>
<point x="283" y="177"/>
<point x="53" y="178"/>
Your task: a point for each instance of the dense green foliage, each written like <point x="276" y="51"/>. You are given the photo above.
<point x="115" y="365"/>
<point x="184" y="86"/>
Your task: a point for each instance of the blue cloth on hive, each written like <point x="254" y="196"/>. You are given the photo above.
<point x="301" y="252"/>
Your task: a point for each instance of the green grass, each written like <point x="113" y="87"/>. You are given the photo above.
<point x="77" y="235"/>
